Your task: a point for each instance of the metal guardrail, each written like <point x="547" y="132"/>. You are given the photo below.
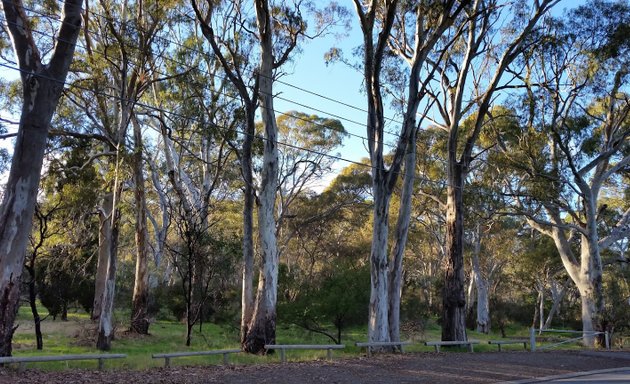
<point x="532" y="337"/>
<point x="22" y="360"/>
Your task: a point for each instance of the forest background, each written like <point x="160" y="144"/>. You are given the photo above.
<point x="495" y="189"/>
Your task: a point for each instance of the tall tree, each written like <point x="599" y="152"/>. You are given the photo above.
<point x="577" y="125"/>
<point x="468" y="82"/>
<point x="42" y="85"/>
<point x="279" y="28"/>
<point x="392" y="25"/>
<point x="233" y="55"/>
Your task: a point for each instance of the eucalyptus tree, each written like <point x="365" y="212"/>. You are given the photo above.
<point x="414" y="32"/>
<point x="233" y="29"/>
<point x="577" y="144"/>
<point x="305" y="157"/>
<point x="196" y="123"/>
<point x="468" y="81"/>
<point x="42" y="86"/>
<point x="219" y="23"/>
<point x="119" y="54"/>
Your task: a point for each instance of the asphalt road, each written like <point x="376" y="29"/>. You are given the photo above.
<point x="604" y="376"/>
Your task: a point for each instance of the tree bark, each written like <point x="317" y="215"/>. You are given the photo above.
<point x="481" y="283"/>
<point x="247" y="294"/>
<point x="378" y="325"/>
<point x="454" y="295"/>
<point x="402" y="232"/>
<point x="41" y="88"/>
<point x="104" y="239"/>
<point x="106" y="325"/>
<point x="140" y="300"/>
<point x="262" y="327"/>
<point x="591" y="290"/>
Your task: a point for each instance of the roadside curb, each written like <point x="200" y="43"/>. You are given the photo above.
<point x="565" y="376"/>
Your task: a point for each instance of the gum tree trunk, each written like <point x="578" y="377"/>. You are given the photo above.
<point x="481" y="283"/>
<point x="454" y="300"/>
<point x="140" y="300"/>
<point x="378" y="325"/>
<point x="262" y="327"/>
<point x="110" y="247"/>
<point x="247" y="298"/>
<point x="41" y="88"/>
<point x="104" y="239"/>
<point x="402" y="231"/>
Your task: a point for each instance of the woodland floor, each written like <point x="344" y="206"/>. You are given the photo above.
<point x="451" y="367"/>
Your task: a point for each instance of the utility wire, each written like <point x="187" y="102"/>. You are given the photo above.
<point x="196" y="51"/>
<point x="338" y="158"/>
<point x="166" y="58"/>
<point x="227" y="129"/>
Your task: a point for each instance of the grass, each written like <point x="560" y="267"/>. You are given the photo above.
<point x="77" y="336"/>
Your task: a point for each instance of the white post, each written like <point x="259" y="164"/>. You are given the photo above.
<point x="607" y="339"/>
<point x="532" y="339"/>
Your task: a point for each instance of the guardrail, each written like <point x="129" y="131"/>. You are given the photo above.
<point x="41" y="359"/>
<point x="532" y="337"/>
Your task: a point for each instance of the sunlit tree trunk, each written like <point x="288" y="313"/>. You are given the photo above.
<point x="41" y="88"/>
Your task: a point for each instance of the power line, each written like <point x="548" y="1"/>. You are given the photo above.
<point x="363" y="138"/>
<point x="193" y="50"/>
<point x="227" y="129"/>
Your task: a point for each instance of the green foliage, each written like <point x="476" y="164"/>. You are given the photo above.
<point x="617" y="293"/>
<point x="339" y="298"/>
<point x="65" y="276"/>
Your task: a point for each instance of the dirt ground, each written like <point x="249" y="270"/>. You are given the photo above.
<point x="438" y="368"/>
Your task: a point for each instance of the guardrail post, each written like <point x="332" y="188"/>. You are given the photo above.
<point x="225" y="359"/>
<point x="101" y="364"/>
<point x="167" y="362"/>
<point x="283" y="357"/>
<point x="532" y="339"/>
<point x="607" y="339"/>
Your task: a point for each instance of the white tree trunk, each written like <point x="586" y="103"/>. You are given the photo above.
<point x="104" y="240"/>
<point x="402" y="232"/>
<point x="262" y="327"/>
<point x="105" y="321"/>
<point x="378" y="324"/>
<point x="41" y="88"/>
<point x="483" y="304"/>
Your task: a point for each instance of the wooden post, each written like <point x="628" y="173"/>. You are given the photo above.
<point x="225" y="359"/>
<point x="329" y="354"/>
<point x="101" y="364"/>
<point x="167" y="362"/>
